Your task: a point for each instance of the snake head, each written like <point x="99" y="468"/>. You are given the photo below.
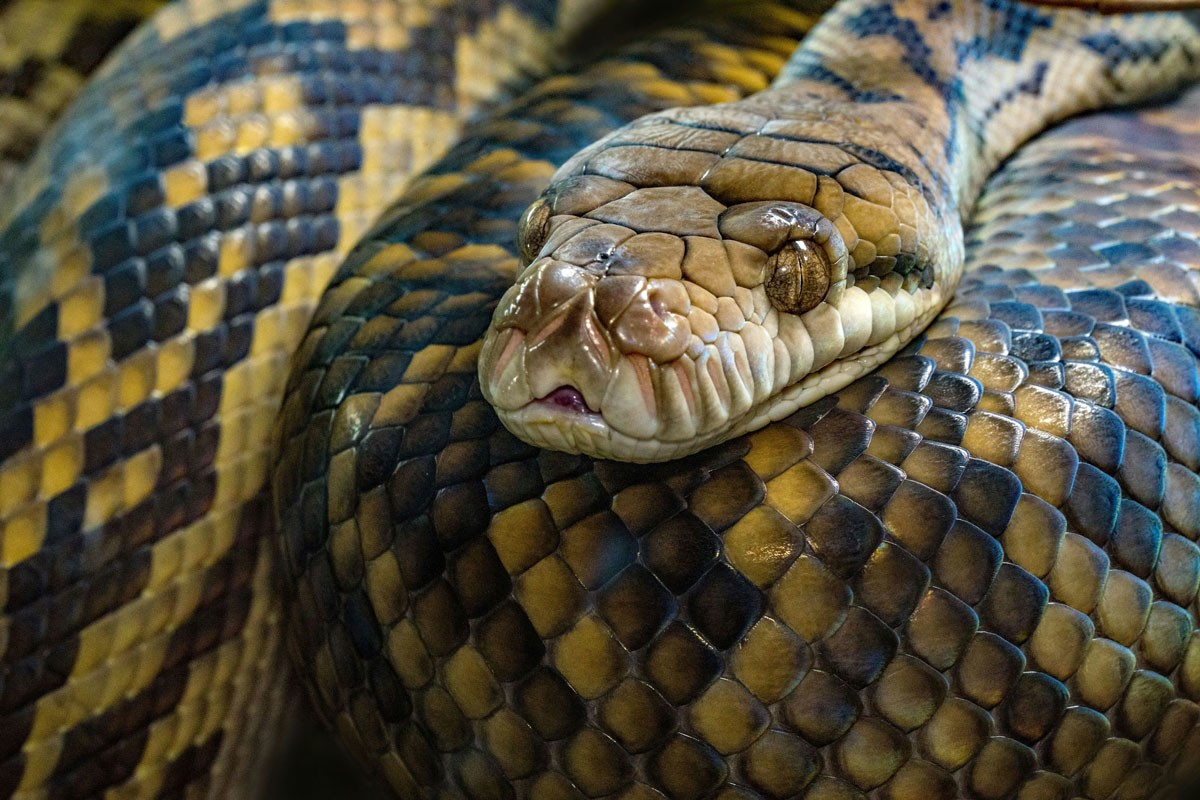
<point x="655" y="315"/>
<point x="644" y="327"/>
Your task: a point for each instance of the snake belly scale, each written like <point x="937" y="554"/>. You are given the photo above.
<point x="480" y="618"/>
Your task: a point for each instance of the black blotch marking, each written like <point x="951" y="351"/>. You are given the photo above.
<point x="93" y="40"/>
<point x="1030" y="86"/>
<point x="1117" y="51"/>
<point x="1006" y="39"/>
<point x="809" y="64"/>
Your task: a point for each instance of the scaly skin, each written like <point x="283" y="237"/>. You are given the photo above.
<point x="140" y="642"/>
<point x="48" y="50"/>
<point x="159" y="260"/>
<point x="645" y="327"/>
<point x="972" y="573"/>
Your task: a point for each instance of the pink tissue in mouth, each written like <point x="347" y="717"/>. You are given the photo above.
<point x="568" y="397"/>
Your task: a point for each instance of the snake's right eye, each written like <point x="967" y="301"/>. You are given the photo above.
<point x="533" y="229"/>
<point x="797" y="276"/>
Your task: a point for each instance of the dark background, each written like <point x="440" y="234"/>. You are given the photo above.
<point x="311" y="765"/>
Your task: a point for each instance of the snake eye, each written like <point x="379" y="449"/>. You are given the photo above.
<point x="797" y="276"/>
<point x="533" y="229"/>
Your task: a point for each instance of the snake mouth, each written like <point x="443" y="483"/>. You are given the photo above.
<point x="567" y="399"/>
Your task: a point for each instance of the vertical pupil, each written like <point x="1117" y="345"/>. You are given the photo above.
<point x="798" y="277"/>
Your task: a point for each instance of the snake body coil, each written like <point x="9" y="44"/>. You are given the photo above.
<point x="159" y="259"/>
<point x="972" y="573"/>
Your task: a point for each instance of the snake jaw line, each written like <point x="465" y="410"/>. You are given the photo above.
<point x="732" y="387"/>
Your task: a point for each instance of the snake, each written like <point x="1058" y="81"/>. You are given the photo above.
<point x="795" y="267"/>
<point x="967" y="573"/>
<point x="48" y="50"/>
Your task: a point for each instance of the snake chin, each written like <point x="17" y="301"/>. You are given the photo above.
<point x="555" y="427"/>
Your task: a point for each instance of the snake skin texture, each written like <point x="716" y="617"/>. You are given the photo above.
<point x="157" y="266"/>
<point x="970" y="574"/>
<point x="159" y="258"/>
<point x="48" y="49"/>
<point x="444" y="249"/>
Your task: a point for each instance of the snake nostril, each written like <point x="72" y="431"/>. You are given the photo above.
<point x="667" y="299"/>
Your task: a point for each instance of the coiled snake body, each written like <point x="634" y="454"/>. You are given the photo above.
<point x="970" y="573"/>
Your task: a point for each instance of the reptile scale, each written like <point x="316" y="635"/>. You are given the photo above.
<point x="969" y="573"/>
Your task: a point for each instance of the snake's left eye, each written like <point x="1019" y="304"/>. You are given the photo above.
<point x="533" y="229"/>
<point x="797" y="276"/>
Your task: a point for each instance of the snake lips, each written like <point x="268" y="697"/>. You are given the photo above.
<point x="652" y="322"/>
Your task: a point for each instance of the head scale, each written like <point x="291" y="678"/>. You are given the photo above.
<point x="649" y="321"/>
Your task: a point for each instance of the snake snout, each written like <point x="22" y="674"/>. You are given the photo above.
<point x="546" y="336"/>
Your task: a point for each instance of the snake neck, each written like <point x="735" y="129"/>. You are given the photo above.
<point x="963" y="83"/>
